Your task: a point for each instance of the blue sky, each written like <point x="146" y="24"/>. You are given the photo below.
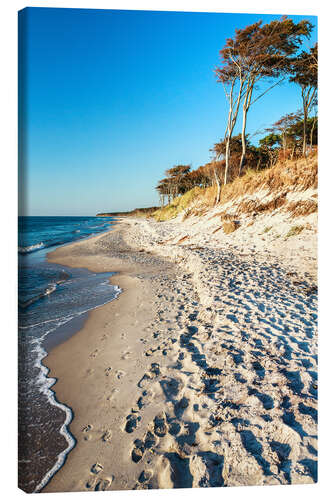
<point x="114" y="98"/>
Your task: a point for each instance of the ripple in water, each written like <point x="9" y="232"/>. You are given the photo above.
<point x="51" y="299"/>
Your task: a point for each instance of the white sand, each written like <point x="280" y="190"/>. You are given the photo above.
<point x="213" y="373"/>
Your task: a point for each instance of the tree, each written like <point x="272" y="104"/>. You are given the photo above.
<point x="261" y="51"/>
<point x="282" y="127"/>
<point x="233" y="78"/>
<point x="296" y="132"/>
<point x="270" y="144"/>
<point x="164" y="190"/>
<point x="235" y="152"/>
<point x="175" y="176"/>
<point x="305" y="73"/>
<point x="175" y="182"/>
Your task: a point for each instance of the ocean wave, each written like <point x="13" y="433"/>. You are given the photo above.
<point x="31" y="248"/>
<point x="45" y="384"/>
<point x="41" y="245"/>
<point x="85" y="231"/>
<point x="50" y="289"/>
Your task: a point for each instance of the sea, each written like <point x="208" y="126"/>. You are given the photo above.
<point x="53" y="303"/>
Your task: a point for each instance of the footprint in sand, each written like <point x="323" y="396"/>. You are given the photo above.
<point x="89" y="372"/>
<point x="86" y="430"/>
<point x="93" y="354"/>
<point x="113" y="393"/>
<point x="143" y="480"/>
<point x="160" y="425"/>
<point x="132" y="422"/>
<point x="107" y="371"/>
<point x="103" y="484"/>
<point x="125" y="355"/>
<point x="141" y="446"/>
<point x="99" y="484"/>
<point x="120" y="374"/>
<point x="145" y="476"/>
<point x="151" y="374"/>
<point x="145" y="398"/>
<point x="138" y="451"/>
<point x="96" y="468"/>
<point x="107" y="436"/>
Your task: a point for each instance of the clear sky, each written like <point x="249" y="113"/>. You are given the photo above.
<point x="114" y="98"/>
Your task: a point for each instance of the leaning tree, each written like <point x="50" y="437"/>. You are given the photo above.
<point x="232" y="75"/>
<point x="260" y="52"/>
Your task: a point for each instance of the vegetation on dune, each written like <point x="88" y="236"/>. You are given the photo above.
<point x="177" y="205"/>
<point x="253" y="62"/>
<point x="294" y="231"/>
<point x="255" y="54"/>
<point x="283" y="177"/>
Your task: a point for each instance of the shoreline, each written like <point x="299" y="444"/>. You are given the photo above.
<point x="131" y="289"/>
<point x="157" y="398"/>
<point x="63" y="440"/>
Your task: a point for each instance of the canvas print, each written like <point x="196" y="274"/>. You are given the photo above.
<point x="167" y="250"/>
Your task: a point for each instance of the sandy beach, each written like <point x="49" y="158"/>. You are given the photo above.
<point x="202" y="372"/>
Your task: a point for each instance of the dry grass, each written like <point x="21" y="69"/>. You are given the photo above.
<point x="292" y="175"/>
<point x="254" y="206"/>
<point x="302" y="208"/>
<point x="230" y="227"/>
<point x="178" y="205"/>
<point x="298" y="174"/>
<point x="194" y="212"/>
<point x="226" y="217"/>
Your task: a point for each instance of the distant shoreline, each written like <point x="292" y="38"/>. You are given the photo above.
<point x="136" y="212"/>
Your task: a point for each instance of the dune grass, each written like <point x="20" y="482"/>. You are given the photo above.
<point x="177" y="205"/>
<point x="292" y="175"/>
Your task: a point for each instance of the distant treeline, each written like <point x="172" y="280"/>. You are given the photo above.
<point x="257" y="54"/>
<point x="137" y="212"/>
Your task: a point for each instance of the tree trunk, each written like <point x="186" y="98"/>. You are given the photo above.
<point x="246" y="105"/>
<point x="218" y="184"/>
<point x="227" y="158"/>
<point x="241" y="163"/>
<point x="305" y="117"/>
<point x="312" y="130"/>
<point x="284" y="143"/>
<point x="304" y="131"/>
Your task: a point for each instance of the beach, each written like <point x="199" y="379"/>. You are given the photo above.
<point x="203" y="372"/>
